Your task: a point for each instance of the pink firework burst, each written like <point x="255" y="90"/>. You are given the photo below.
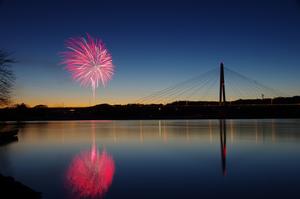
<point x="89" y="61"/>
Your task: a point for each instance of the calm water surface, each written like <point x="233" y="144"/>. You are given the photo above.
<point x="157" y="159"/>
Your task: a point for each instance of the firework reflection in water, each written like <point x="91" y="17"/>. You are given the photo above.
<point x="91" y="173"/>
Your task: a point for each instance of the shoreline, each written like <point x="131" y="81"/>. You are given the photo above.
<point x="152" y="112"/>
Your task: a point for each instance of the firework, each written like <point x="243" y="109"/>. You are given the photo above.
<point x="89" y="61"/>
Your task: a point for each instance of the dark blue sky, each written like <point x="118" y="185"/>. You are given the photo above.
<point x="154" y="44"/>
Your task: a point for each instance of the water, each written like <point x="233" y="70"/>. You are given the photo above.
<point x="157" y="159"/>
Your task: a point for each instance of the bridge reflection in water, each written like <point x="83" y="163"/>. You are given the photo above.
<point x="223" y="145"/>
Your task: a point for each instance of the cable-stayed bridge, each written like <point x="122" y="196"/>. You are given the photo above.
<point x="219" y="84"/>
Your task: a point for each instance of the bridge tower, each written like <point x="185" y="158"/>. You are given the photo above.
<point x="222" y="100"/>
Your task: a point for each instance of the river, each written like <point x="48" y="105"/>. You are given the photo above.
<point x="157" y="158"/>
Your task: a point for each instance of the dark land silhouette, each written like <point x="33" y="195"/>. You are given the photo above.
<point x="10" y="188"/>
<point x="288" y="107"/>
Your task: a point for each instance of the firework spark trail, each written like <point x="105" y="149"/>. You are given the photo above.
<point x="89" y="61"/>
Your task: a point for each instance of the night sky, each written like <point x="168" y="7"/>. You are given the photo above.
<point x="153" y="44"/>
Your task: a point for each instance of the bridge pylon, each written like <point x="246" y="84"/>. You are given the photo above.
<point x="222" y="96"/>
